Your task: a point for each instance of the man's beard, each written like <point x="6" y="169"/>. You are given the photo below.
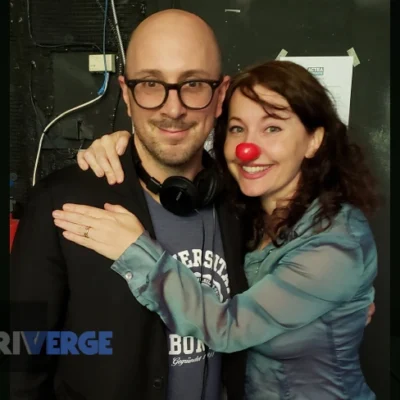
<point x="175" y="156"/>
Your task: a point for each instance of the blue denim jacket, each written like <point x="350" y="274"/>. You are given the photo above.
<point x="302" y="318"/>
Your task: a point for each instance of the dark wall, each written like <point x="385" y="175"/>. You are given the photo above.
<point x="258" y="32"/>
<point x="50" y="42"/>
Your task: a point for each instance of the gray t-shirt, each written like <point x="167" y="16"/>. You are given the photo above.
<point x="183" y="237"/>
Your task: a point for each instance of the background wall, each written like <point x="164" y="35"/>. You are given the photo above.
<point x="51" y="40"/>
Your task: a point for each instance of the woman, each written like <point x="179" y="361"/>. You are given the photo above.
<point x="304" y="191"/>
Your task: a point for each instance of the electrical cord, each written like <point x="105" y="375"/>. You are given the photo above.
<point x="115" y="41"/>
<point x="205" y="370"/>
<point x="33" y="102"/>
<point x="121" y="46"/>
<point x="65" y="113"/>
<point x="39" y="118"/>
<point x="122" y="54"/>
<point x="101" y="93"/>
<point x="206" y="348"/>
<point x="32" y="97"/>
<point x="114" y="115"/>
<point x="102" y="89"/>
<point x="121" y="51"/>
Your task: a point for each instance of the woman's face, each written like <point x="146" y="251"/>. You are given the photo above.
<point x="283" y="144"/>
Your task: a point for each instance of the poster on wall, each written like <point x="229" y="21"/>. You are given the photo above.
<point x="336" y="74"/>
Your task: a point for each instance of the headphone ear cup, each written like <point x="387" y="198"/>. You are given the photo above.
<point x="208" y="183"/>
<point x="179" y="195"/>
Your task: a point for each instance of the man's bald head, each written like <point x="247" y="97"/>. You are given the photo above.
<point x="173" y="39"/>
<point x="172" y="46"/>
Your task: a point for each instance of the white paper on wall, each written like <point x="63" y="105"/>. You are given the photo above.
<point x="336" y="74"/>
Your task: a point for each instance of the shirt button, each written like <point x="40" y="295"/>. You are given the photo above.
<point x="158" y="383"/>
<point x="128" y="276"/>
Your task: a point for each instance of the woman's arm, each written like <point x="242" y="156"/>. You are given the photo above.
<point x="308" y="282"/>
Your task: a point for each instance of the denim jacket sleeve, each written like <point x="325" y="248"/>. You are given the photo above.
<point x="308" y="281"/>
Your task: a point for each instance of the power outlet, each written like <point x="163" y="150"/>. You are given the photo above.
<point x="96" y="62"/>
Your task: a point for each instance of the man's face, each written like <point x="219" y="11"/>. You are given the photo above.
<point x="172" y="134"/>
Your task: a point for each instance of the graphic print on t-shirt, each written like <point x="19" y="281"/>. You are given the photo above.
<point x="193" y="240"/>
<point x="188" y="350"/>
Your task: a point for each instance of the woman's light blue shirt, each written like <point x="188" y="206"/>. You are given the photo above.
<point x="302" y="319"/>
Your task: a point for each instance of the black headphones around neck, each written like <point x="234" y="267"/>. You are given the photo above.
<point x="180" y="195"/>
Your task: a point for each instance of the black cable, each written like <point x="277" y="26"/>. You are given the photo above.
<point x="54" y="46"/>
<point x="205" y="370"/>
<point x="206" y="348"/>
<point x="114" y="116"/>
<point x="38" y="117"/>
<point x="120" y="65"/>
<point x="203" y="244"/>
<point x="213" y="243"/>
<point x="33" y="102"/>
<point x="116" y="40"/>
<point x="32" y="97"/>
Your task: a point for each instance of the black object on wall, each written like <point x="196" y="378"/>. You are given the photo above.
<point x="50" y="43"/>
<point x="256" y="30"/>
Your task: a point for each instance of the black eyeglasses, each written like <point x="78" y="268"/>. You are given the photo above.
<point x="194" y="94"/>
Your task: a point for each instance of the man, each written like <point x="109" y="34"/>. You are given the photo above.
<point x="80" y="291"/>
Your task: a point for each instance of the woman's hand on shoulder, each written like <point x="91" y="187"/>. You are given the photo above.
<point x="102" y="157"/>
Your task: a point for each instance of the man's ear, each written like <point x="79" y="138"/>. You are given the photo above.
<point x="125" y="94"/>
<point x="315" y="142"/>
<point x="221" y="94"/>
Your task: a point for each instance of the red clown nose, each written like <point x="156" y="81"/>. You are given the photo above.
<point x="247" y="151"/>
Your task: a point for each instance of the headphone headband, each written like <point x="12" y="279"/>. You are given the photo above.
<point x="151" y="183"/>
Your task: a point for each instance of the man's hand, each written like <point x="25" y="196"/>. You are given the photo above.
<point x="103" y="156"/>
<point x="109" y="232"/>
<point x="371" y="312"/>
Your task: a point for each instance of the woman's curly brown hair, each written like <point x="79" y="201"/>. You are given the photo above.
<point x="337" y="173"/>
